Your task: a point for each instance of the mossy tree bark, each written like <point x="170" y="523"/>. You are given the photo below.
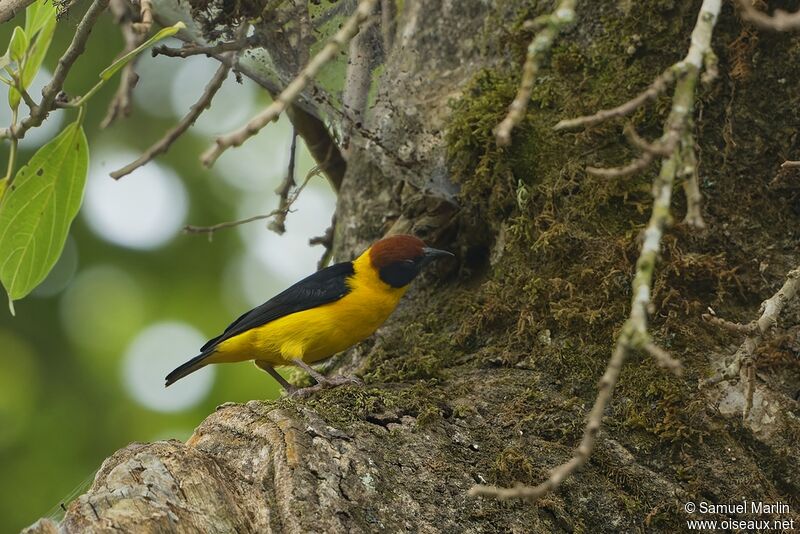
<point x="487" y="370"/>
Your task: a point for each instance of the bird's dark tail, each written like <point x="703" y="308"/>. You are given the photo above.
<point x="198" y="362"/>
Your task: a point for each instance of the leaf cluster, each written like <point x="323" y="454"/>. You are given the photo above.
<point x="40" y="201"/>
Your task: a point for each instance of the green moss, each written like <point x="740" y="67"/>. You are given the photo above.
<point x="515" y="465"/>
<point x="543" y="321"/>
<point x="570" y="238"/>
<point x="346" y="405"/>
<point x="481" y="168"/>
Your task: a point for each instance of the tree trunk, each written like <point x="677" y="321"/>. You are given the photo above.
<point x="486" y="372"/>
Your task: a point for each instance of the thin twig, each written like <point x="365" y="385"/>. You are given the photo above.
<point x="664" y="359"/>
<point x="318" y="139"/>
<point x="633" y="167"/>
<point x="12" y="158"/>
<point x="53" y="88"/>
<point x="691" y="184"/>
<point x="292" y="91"/>
<point x="191" y="229"/>
<point x="657" y="149"/>
<point x="634" y="334"/>
<point x="730" y="326"/>
<point x="326" y="240"/>
<point x="662" y="148"/>
<point x="658" y="86"/>
<point x="10" y="8"/>
<point x="552" y="25"/>
<point x="210" y="51"/>
<point x="320" y="143"/>
<point x="743" y="362"/>
<point x="163" y="144"/>
<point x="315" y="134"/>
<point x="120" y="105"/>
<point x="780" y="20"/>
<point x="146" y="23"/>
<point x="790" y="164"/>
<point x="278" y="224"/>
<point x="26" y="97"/>
<point x="678" y="137"/>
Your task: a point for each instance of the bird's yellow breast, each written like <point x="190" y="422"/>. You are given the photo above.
<point x="320" y="332"/>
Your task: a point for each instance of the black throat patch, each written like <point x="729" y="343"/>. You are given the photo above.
<point x="400" y="273"/>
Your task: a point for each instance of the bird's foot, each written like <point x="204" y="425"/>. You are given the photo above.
<point x="326" y="383"/>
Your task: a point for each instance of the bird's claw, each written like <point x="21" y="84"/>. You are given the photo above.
<point x="332" y="382"/>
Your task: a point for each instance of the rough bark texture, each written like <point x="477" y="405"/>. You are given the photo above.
<point x="487" y="370"/>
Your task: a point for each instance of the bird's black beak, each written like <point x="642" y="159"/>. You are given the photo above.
<point x="430" y="254"/>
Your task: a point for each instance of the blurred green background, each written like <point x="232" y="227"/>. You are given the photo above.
<point x="82" y="364"/>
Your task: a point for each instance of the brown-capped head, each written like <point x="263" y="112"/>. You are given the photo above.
<point x="400" y="258"/>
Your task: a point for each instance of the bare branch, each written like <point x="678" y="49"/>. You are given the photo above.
<point x="10" y="8"/>
<point x="662" y="148"/>
<point x="326" y="240"/>
<point x="743" y="362"/>
<point x="780" y="20"/>
<point x="26" y="97"/>
<point x="318" y="139"/>
<point x="658" y="148"/>
<point x="292" y="91"/>
<point x="737" y="328"/>
<point x="146" y="23"/>
<point x="163" y="144"/>
<point x="664" y="359"/>
<point x="633" y="167"/>
<point x="552" y="25"/>
<point x="278" y="224"/>
<point x="691" y="184"/>
<point x="210" y="51"/>
<point x="191" y="229"/>
<point x="665" y="146"/>
<point x="52" y="89"/>
<point x="790" y="164"/>
<point x="120" y="105"/>
<point x="634" y="334"/>
<point x="678" y="136"/>
<point x="658" y="86"/>
<point x="319" y="143"/>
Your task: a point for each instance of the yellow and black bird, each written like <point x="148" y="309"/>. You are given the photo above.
<point x="321" y="315"/>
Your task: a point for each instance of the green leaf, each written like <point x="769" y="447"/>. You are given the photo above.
<point x="18" y="45"/>
<point x="121" y="62"/>
<point x="40" y="20"/>
<point x="38" y="208"/>
<point x="13" y="98"/>
<point x="38" y="50"/>
<point x="37" y="15"/>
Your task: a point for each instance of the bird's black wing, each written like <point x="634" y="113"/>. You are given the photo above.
<point x="322" y="287"/>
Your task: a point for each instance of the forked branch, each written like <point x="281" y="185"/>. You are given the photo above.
<point x="282" y="210"/>
<point x="551" y="25"/>
<point x="779" y="21"/>
<point x="295" y="87"/>
<point x="743" y="362"/>
<point x="65" y="62"/>
<point x="634" y="333"/>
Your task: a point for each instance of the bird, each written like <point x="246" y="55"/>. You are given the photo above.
<point x="321" y="315"/>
